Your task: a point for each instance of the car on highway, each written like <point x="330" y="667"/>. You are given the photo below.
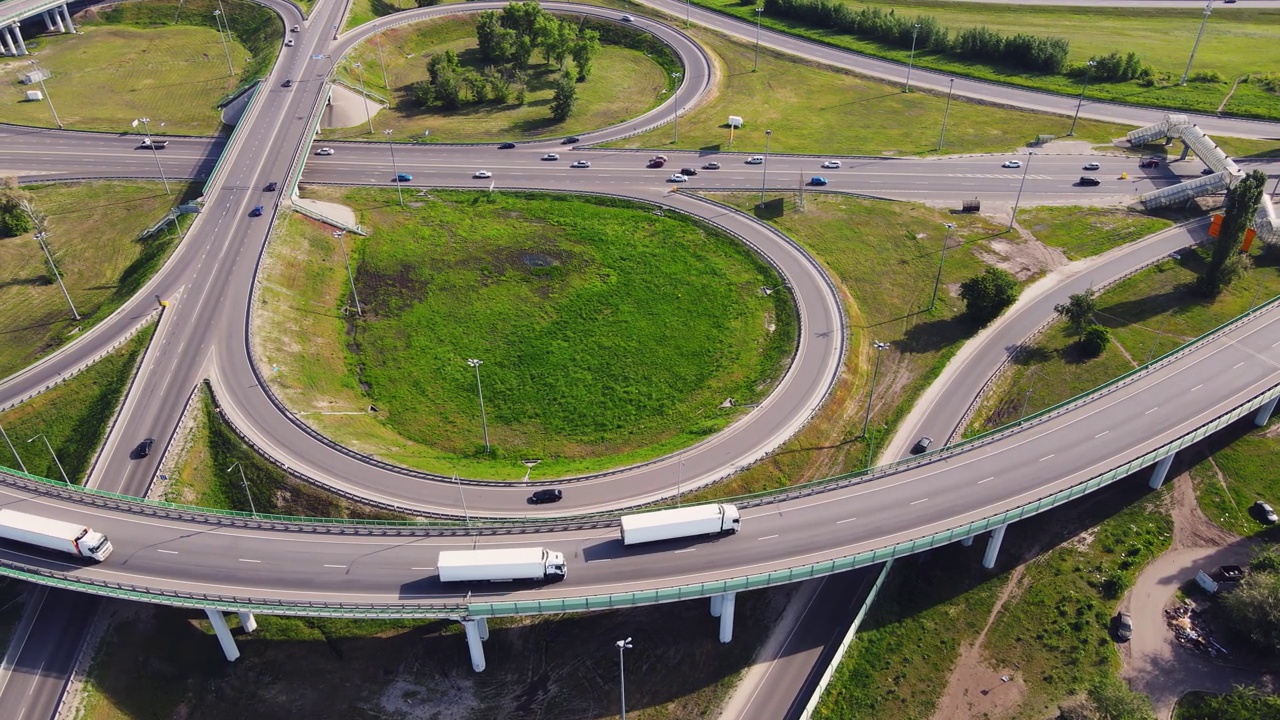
<point x="755" y="160"/>
<point x="663" y="158"/>
<point x="551" y="156"/>
<point x="295" y="28"/>
<point x="144" y="447"/>
<point x="1092" y="166"/>
<point x="256" y="211"/>
<point x="677" y="178"/>
<point x="656" y="163"/>
<point x="1149" y="163"/>
<point x="831" y="164"/>
<point x="271" y="187"/>
<point x="154" y="144"/>
<point x="325" y="151"/>
<point x="549" y="495"/>
<point x="1207" y="171"/>
<point x="817" y="180"/>
<point x="483" y="174"/>
<point x="627" y="18"/>
<point x="688" y="172"/>
<point x="1123" y="626"/>
<point x="581" y="164"/>
<point x="288" y="82"/>
<point x="1265" y="512"/>
<point x="404" y="177"/>
<point x="921" y="445"/>
<point x="1089" y="180"/>
<point x="288" y="43"/>
<point x="1012" y="164"/>
<point x="713" y="165"/>
<point x="507" y="146"/>
<point x="571" y="140"/>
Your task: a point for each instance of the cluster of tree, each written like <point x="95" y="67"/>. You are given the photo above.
<point x="1107" y="699"/>
<point x="14" y="218"/>
<point x="1031" y="52"/>
<point x="989" y="294"/>
<point x="1114" y="67"/>
<point x="1078" y="312"/>
<point x="510" y="37"/>
<point x="451" y="85"/>
<point x="1226" y="262"/>
<point x="1252" y="609"/>
<point x="1242" y="703"/>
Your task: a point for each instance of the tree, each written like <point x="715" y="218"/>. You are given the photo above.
<point x="987" y="295"/>
<point x="1115" y="701"/>
<point x="1225" y="262"/>
<point x="426" y="3"/>
<point x="1242" y="703"/>
<point x="1094" y="340"/>
<point x="14" y="219"/>
<point x="1253" y="608"/>
<point x="584" y="51"/>
<point x="448" y="81"/>
<point x="566" y="97"/>
<point x="1078" y="310"/>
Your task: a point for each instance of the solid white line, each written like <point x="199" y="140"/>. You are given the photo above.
<point x="685" y="550"/>
<point x="1046" y="457"/>
<point x="600" y="560"/>
<point x="1197" y="387"/>
<point x="767" y="537"/>
<point x="423" y="568"/>
<point x="1104" y="432"/>
<point x="252" y="561"/>
<point x="168" y="552"/>
<point x="1151" y="410"/>
<point x="1233" y="367"/>
<point x="841" y="522"/>
<point x="336" y="566"/>
<point x="919" y="501"/>
<point x="993" y="477"/>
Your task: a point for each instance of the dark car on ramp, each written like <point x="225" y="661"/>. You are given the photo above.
<point x="542" y="497"/>
<point x="1089" y="180"/>
<point x="144" y="447"/>
<point x="921" y="445"/>
<point x="507" y="146"/>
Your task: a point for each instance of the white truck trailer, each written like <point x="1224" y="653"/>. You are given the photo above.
<point x="502" y="565"/>
<point x="66" y="537"/>
<point x="679" y="523"/>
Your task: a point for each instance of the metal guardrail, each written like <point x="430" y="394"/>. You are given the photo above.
<point x="215" y="174"/>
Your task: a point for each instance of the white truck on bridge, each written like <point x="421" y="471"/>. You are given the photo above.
<point x="66" y="537"/>
<point x="503" y="565"/>
<point x="679" y="523"/>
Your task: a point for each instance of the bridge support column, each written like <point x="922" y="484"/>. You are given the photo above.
<point x="48" y="24"/>
<point x="717" y="605"/>
<point x="223" y="632"/>
<point x="728" y="600"/>
<point x="1162" y="469"/>
<point x="993" y="547"/>
<point x="475" y="642"/>
<point x="483" y="624"/>
<point x="57" y="20"/>
<point x="967" y="542"/>
<point x="1264" y="412"/>
<point x="67" y="16"/>
<point x="16" y="29"/>
<point x="248" y="621"/>
<point x="1186" y="149"/>
<point x="9" y="49"/>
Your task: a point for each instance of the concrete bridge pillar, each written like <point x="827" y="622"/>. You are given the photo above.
<point x="993" y="547"/>
<point x="1264" y="412"/>
<point x="727" y="602"/>
<point x="223" y="632"/>
<point x="483" y="624"/>
<point x="475" y="642"/>
<point x="248" y="621"/>
<point x="16" y="29"/>
<point x="1162" y="469"/>
<point x="967" y="542"/>
<point x="57" y="20"/>
<point x="48" y="24"/>
<point x="67" y="16"/>
<point x="1186" y="149"/>
<point x="9" y="48"/>
<point x="717" y="605"/>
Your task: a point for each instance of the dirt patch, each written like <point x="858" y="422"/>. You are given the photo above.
<point x="1025" y="259"/>
<point x="1191" y="528"/>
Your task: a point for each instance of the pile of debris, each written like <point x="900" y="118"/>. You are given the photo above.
<point x="1191" y="628"/>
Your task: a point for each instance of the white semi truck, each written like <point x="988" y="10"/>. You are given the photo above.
<point x="66" y="537"/>
<point x="502" y="565"/>
<point x="679" y="523"/>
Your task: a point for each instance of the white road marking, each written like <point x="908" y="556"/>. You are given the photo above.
<point x="993" y="477"/>
<point x="1197" y="387"/>
<point x="841" y="522"/>
<point x="1104" y="432"/>
<point x="1151" y="410"/>
<point x="1233" y="367"/>
<point x="917" y="502"/>
<point x="685" y="550"/>
<point x="767" y="537"/>
<point x="600" y="560"/>
<point x="422" y="568"/>
<point x="1046" y="457"/>
<point x="252" y="561"/>
<point x="336" y="566"/>
<point x="168" y="552"/>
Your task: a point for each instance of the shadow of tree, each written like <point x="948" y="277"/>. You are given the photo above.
<point x="934" y="335"/>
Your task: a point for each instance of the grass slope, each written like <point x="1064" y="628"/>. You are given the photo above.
<point x="1084" y="232"/>
<point x="1240" y="471"/>
<point x="94" y="229"/>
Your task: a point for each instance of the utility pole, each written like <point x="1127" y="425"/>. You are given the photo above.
<point x="394" y="169"/>
<point x="350" y="278"/>
<point x="1087" y="70"/>
<point x="55" y="458"/>
<point x="759" y="12"/>
<point x="45" y="90"/>
<point x="764" y="166"/>
<point x="146" y="126"/>
<point x="1204" y="21"/>
<point x="217" y="17"/>
<point x="914" y="28"/>
<point x="622" y="675"/>
<point x="1014" y="215"/>
<point x="675" y="111"/>
<point x="941" y="256"/>
<point x="866" y="421"/>
<point x="12" y="449"/>
<point x="41" y="235"/>
<point x="945" y="112"/>
<point x="480" y="391"/>
<point x="245" y="482"/>
<point x="385" y="82"/>
<point x="364" y="98"/>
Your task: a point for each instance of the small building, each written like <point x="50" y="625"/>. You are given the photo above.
<point x="35" y="95"/>
<point x="34" y="76"/>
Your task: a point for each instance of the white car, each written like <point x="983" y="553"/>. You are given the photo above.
<point x="296" y="28"/>
<point x="677" y="178"/>
<point x="288" y="43"/>
<point x="627" y="18"/>
<point x="830" y="164"/>
<point x="325" y="151"/>
<point x="483" y="174"/>
<point x="581" y="164"/>
<point x="551" y="156"/>
<point x="1012" y="164"/>
<point x="755" y="160"/>
<point x="1092" y="166"/>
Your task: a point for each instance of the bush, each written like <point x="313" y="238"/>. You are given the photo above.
<point x="987" y="295"/>
<point x="1094" y="341"/>
<point x="1253" y="609"/>
<point x="1207" y="76"/>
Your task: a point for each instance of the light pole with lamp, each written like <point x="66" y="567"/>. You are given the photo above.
<point x="12" y="449"/>
<point x="759" y="13"/>
<point x="363" y="97"/>
<point x="1087" y="70"/>
<point x="146" y="126"/>
<point x="55" y="457"/>
<point x="45" y="90"/>
<point x="217" y="18"/>
<point x="350" y="278"/>
<point x="385" y="82"/>
<point x="866" y="421"/>
<point x="764" y="166"/>
<point x="394" y="169"/>
<point x="1018" y="200"/>
<point x="675" y="110"/>
<point x="1205" y="21"/>
<point x="679" y="481"/>
<point x="480" y="391"/>
<point x="243" y="481"/>
<point x="623" y="645"/>
<point x="945" y="112"/>
<point x="40" y="238"/>
<point x="912" y="61"/>
<point x="941" y="256"/>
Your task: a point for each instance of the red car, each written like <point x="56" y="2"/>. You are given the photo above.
<point x="1149" y="163"/>
<point x="656" y="163"/>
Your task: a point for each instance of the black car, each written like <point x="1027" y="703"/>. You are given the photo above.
<point x="1123" y="626"/>
<point x="507" y="146"/>
<point x="287" y="83"/>
<point x="571" y="140"/>
<point x="271" y="187"/>
<point x="542" y="497"/>
<point x="1089" y="180"/>
<point x="144" y="447"/>
<point x="256" y="211"/>
<point x="921" y="445"/>
<point x="688" y="172"/>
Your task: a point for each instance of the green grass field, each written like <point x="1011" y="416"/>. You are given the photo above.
<point x="608" y="334"/>
<point x="93" y="235"/>
<point x="623" y="84"/>
<point x="74" y="416"/>
<point x="1083" y="232"/>
<point x="818" y="109"/>
<point x="1236" y="43"/>
<point x="111" y="75"/>
<point x="1240" y="472"/>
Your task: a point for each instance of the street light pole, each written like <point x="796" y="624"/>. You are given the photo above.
<point x="217" y="18"/>
<point x="40" y="238"/>
<point x="866" y="421"/>
<point x="941" y="256"/>
<point x="675" y="111"/>
<point x="12" y="449"/>
<point x="759" y="12"/>
<point x="45" y="90"/>
<point x="385" y="82"/>
<point x="1017" y="201"/>
<point x="679" y="481"/>
<point x="622" y="675"/>
<point x="912" y="61"/>
<point x="480" y="391"/>
<point x="146" y="126"/>
<point x="394" y="169"/>
<point x="55" y="457"/>
<point x="945" y="112"/>
<point x="363" y="97"/>
<point x="1087" y="70"/>
<point x="245" y="482"/>
<point x="764" y="166"/>
<point x="350" y="278"/>
<point x="1204" y="21"/>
